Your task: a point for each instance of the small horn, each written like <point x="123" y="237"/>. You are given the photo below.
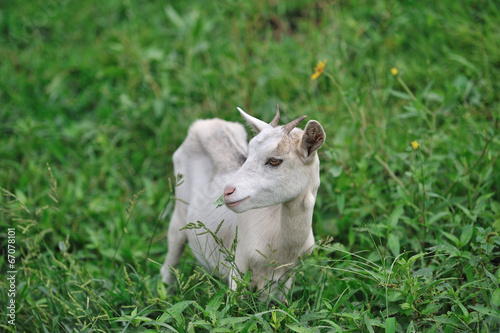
<point x="291" y="125"/>
<point x="274" y="122"/>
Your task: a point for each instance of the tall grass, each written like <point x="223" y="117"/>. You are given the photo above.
<point x="95" y="98"/>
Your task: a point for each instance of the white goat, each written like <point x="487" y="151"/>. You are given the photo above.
<point x="269" y="196"/>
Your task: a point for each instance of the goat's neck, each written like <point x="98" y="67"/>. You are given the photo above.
<point x="296" y="219"/>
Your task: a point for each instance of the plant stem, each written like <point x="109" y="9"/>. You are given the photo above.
<point x="390" y="172"/>
<point x="414" y="98"/>
<point x="423" y="193"/>
<point x="339" y="87"/>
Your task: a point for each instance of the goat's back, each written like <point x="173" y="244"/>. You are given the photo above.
<point x="213" y="147"/>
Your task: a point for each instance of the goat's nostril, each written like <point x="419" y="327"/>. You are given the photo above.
<point x="229" y="190"/>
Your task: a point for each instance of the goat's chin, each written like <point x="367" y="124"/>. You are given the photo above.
<point x="239" y="207"/>
<point x="247" y="204"/>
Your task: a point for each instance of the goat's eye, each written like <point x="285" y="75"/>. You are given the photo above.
<point x="274" y="162"/>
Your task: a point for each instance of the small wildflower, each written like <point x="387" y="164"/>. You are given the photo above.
<point x="394" y="71"/>
<point x="318" y="70"/>
<point x="415" y="145"/>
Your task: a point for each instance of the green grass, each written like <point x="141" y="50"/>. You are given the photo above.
<point x="95" y="98"/>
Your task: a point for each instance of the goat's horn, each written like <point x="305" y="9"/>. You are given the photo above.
<point x="291" y="125"/>
<point x="274" y="122"/>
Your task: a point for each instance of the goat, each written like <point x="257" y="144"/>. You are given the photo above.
<point x="269" y="198"/>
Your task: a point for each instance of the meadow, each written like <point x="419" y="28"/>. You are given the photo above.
<point x="96" y="96"/>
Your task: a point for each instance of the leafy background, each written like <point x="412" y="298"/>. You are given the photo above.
<point x="96" y="96"/>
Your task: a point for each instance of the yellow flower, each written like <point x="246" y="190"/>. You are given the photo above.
<point x="415" y="145"/>
<point x="318" y="70"/>
<point x="394" y="71"/>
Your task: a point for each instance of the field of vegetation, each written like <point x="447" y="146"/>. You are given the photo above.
<point x="96" y="96"/>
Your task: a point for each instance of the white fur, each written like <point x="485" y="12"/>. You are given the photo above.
<point x="274" y="218"/>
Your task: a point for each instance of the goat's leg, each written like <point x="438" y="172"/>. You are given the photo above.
<point x="176" y="243"/>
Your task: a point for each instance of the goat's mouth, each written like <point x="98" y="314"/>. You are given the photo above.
<point x="236" y="203"/>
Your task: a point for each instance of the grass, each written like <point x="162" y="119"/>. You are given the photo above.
<point x="95" y="98"/>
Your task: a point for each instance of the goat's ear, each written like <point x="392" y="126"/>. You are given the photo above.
<point x="313" y="138"/>
<point x="256" y="124"/>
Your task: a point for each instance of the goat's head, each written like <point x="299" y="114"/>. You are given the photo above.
<point x="282" y="162"/>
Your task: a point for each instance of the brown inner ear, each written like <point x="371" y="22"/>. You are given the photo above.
<point x="313" y="139"/>
<point x="313" y="142"/>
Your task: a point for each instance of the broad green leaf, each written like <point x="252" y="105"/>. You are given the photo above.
<point x="451" y="237"/>
<point x="496" y="225"/>
<point x="467" y="212"/>
<point x="399" y="94"/>
<point x="21" y="196"/>
<point x="62" y="246"/>
<point x="464" y="310"/>
<point x="142" y="318"/>
<point x="368" y="324"/>
<point x="213" y="306"/>
<point x="437" y="217"/>
<point x="162" y="291"/>
<point x="167" y="326"/>
<point x="486" y="311"/>
<point x="405" y="306"/>
<point x="415" y="257"/>
<point x="335" y="171"/>
<point x="215" y="301"/>
<point x="201" y="323"/>
<point x="393" y="244"/>
<point x="334" y="325"/>
<point x="463" y="61"/>
<point x="495" y="298"/>
<point x="354" y="316"/>
<point x="394" y="217"/>
<point x="299" y="329"/>
<point x="341" y="203"/>
<point x="248" y="325"/>
<point x="466" y="235"/>
<point x="390" y="325"/>
<point x="394" y="296"/>
<point x="175" y="311"/>
<point x="232" y="320"/>
<point x="175" y="18"/>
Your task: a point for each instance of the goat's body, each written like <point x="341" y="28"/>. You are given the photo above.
<point x="270" y="239"/>
<point x="211" y="153"/>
